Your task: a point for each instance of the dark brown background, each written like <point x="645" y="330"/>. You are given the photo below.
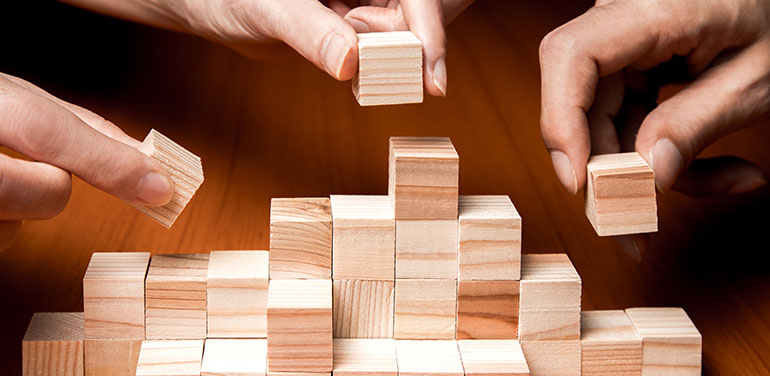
<point x="286" y="129"/>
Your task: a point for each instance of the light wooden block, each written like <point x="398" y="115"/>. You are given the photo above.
<point x="671" y="344"/>
<point x="299" y="325"/>
<point x="549" y="301"/>
<point x="487" y="309"/>
<point x="236" y="294"/>
<point x="610" y="345"/>
<point x="425" y="309"/>
<point x="620" y="195"/>
<point x="276" y="373"/>
<point x="428" y="358"/>
<point x="53" y="345"/>
<point x="365" y="357"/>
<point x="234" y="357"/>
<point x="552" y="358"/>
<point x="363" y="309"/>
<point x="423" y="177"/>
<point x="364" y="238"/>
<point x="492" y="358"/>
<point x="426" y="249"/>
<point x="113" y="295"/>
<point x="111" y="357"/>
<point x="300" y="238"/>
<point x="170" y="358"/>
<point x="489" y="239"/>
<point x="389" y="69"/>
<point x="185" y="170"/>
<point x="176" y="297"/>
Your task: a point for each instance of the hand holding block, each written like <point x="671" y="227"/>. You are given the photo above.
<point x="549" y="302"/>
<point x="234" y="357"/>
<point x="492" y="358"/>
<point x="552" y="358"/>
<point x="389" y="69"/>
<point x="176" y="297"/>
<point x="428" y="358"/>
<point x="363" y="309"/>
<point x="365" y="357"/>
<point x="620" y="195"/>
<point x="53" y="345"/>
<point x="488" y="310"/>
<point x="489" y="238"/>
<point x="300" y="238"/>
<point x="170" y="358"/>
<point x="671" y="344"/>
<point x="425" y="309"/>
<point x="610" y="344"/>
<point x="236" y="294"/>
<point x="426" y="249"/>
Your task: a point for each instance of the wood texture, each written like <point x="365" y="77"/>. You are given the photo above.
<point x="549" y="302"/>
<point x="363" y="309"/>
<point x="620" y="194"/>
<point x="488" y="310"/>
<point x="300" y="238"/>
<point x="428" y="358"/>
<point x="552" y="358"/>
<point x="610" y="345"/>
<point x="365" y="357"/>
<point x="111" y="357"/>
<point x="389" y="69"/>
<point x="236" y="294"/>
<point x="275" y="373"/>
<point x="426" y="249"/>
<point x="425" y="309"/>
<point x="364" y="237"/>
<point x="176" y="296"/>
<point x="53" y="345"/>
<point x="170" y="358"/>
<point x="234" y="357"/>
<point x="671" y="344"/>
<point x="492" y="358"/>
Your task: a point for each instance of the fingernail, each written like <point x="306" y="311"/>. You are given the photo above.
<point x="439" y="75"/>
<point x="334" y="51"/>
<point x="360" y="26"/>
<point x="747" y="185"/>
<point x="666" y="161"/>
<point x="154" y="189"/>
<point x="564" y="171"/>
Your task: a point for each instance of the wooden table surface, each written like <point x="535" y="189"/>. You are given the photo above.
<point x="285" y="129"/>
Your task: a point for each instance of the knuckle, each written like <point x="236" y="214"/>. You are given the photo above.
<point x="557" y="41"/>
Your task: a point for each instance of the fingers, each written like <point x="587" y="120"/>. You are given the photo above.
<point x="31" y="190"/>
<point x="719" y="176"/>
<point x="601" y="116"/>
<point x="425" y="20"/>
<point x="371" y="19"/>
<point x="8" y="232"/>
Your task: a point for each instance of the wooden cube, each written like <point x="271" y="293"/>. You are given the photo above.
<point x="113" y="295"/>
<point x="389" y="69"/>
<point x="425" y="309"/>
<point x="300" y="238"/>
<point x="489" y="239"/>
<point x="234" y="357"/>
<point x="111" y="357"/>
<point x="176" y="297"/>
<point x="363" y="309"/>
<point x="236" y="294"/>
<point x="671" y="344"/>
<point x="276" y="373"/>
<point x="423" y="177"/>
<point x="53" y="345"/>
<point x="170" y="358"/>
<point x="365" y="357"/>
<point x="428" y="358"/>
<point x="488" y="310"/>
<point x="549" y="301"/>
<point x="492" y="358"/>
<point x="620" y="195"/>
<point x="552" y="358"/>
<point x="299" y="325"/>
<point x="610" y="345"/>
<point x="185" y="170"/>
<point x="426" y="249"/>
<point x="364" y="238"/>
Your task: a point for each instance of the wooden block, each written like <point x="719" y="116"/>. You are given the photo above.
<point x="364" y="238"/>
<point x="426" y="249"/>
<point x="552" y="358"/>
<point x="425" y="309"/>
<point x="113" y="295"/>
<point x="299" y="325"/>
<point x="363" y="309"/>
<point x="236" y="294"/>
<point x="365" y="357"/>
<point x="53" y="345"/>
<point x="620" y="195"/>
<point x="275" y="373"/>
<point x="428" y="358"/>
<point x="176" y="297"/>
<point x="487" y="310"/>
<point x="549" y="301"/>
<point x="111" y="357"/>
<point x="671" y="344"/>
<point x="489" y="238"/>
<point x="610" y="345"/>
<point x="423" y="178"/>
<point x="186" y="173"/>
<point x="170" y="358"/>
<point x="300" y="238"/>
<point x="492" y="358"/>
<point x="234" y="357"/>
<point x="389" y="69"/>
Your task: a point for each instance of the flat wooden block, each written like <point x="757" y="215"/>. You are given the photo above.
<point x="234" y="357"/>
<point x="552" y="358"/>
<point x="492" y="358"/>
<point x="170" y="358"/>
<point x="113" y="295"/>
<point x="53" y="345"/>
<point x="236" y="294"/>
<point x="185" y="169"/>
<point x="428" y="358"/>
<point x="423" y="178"/>
<point x="363" y="309"/>
<point x="365" y="357"/>
<point x="364" y="238"/>
<point x="111" y="357"/>
<point x="276" y="373"/>
<point x="425" y="309"/>
<point x="610" y="345"/>
<point x="300" y="238"/>
<point x="620" y="195"/>
<point x="549" y="302"/>
<point x="489" y="238"/>
<point x="426" y="249"/>
<point x="671" y="344"/>
<point x="389" y="69"/>
<point x="299" y="325"/>
<point x="487" y="310"/>
<point x="176" y="297"/>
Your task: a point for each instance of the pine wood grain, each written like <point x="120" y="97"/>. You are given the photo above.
<point x="234" y="357"/>
<point x="428" y="358"/>
<point x="389" y="69"/>
<point x="53" y="345"/>
<point x="426" y="249"/>
<point x="363" y="309"/>
<point x="549" y="302"/>
<point x="170" y="358"/>
<point x="487" y="309"/>
<point x="111" y="357"/>
<point x="176" y="296"/>
<point x="671" y="344"/>
<point x="552" y="358"/>
<point x="425" y="309"/>
<point x="300" y="238"/>
<point x="365" y="357"/>
<point x="492" y="357"/>
<point x="610" y="345"/>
